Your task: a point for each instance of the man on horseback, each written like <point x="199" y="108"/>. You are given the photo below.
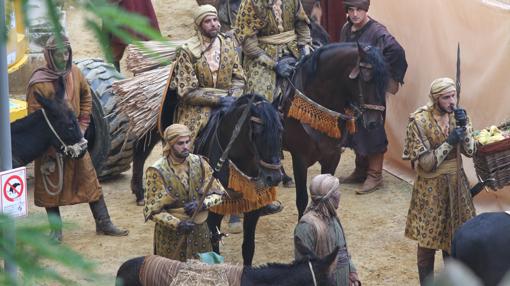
<point x="319" y="231"/>
<point x="77" y="178"/>
<point x="441" y="201"/>
<point x="370" y="144"/>
<point x="175" y="184"/>
<point x="273" y="34"/>
<point x="207" y="73"/>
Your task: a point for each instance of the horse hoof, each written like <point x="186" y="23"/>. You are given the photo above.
<point x="288" y="182"/>
<point x="235" y="227"/>
<point x="272" y="208"/>
<point x="140" y="203"/>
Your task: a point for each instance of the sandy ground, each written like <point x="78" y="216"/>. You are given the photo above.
<point x="374" y="223"/>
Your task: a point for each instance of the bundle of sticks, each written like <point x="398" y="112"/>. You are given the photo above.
<point x="141" y="98"/>
<point x="148" y="55"/>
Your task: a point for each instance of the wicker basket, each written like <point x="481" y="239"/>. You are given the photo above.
<point x="493" y="161"/>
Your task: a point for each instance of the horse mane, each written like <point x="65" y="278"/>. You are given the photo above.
<point x="380" y="68"/>
<point x="268" y="114"/>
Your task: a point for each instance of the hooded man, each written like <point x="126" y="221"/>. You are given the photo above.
<point x="207" y="73"/>
<point x="439" y="203"/>
<point x="371" y="144"/>
<point x="319" y="231"/>
<point x="61" y="78"/>
<point x="175" y="184"/>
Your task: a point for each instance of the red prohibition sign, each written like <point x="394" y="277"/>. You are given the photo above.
<point x="13" y="184"/>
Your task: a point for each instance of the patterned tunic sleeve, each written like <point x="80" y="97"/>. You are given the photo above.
<point x="185" y="79"/>
<point x="302" y="26"/>
<point x="156" y="199"/>
<point x="238" y="77"/>
<point x="248" y="22"/>
<point x="468" y="144"/>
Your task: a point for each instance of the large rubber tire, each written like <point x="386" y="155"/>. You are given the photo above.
<point x="109" y="148"/>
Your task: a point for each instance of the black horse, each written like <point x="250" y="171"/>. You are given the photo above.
<point x="343" y="82"/>
<point x="55" y="124"/>
<point x="314" y="271"/>
<point x="255" y="152"/>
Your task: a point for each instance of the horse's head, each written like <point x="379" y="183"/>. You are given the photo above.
<point x="257" y="149"/>
<point x="67" y="136"/>
<point x="371" y="75"/>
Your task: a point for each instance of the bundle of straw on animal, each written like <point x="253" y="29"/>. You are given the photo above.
<point x="141" y="98"/>
<point x="147" y="55"/>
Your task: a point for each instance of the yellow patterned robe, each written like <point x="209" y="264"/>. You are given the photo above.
<point x="192" y="76"/>
<point x="437" y="207"/>
<point x="257" y="19"/>
<point x="169" y="187"/>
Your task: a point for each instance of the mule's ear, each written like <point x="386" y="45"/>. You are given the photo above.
<point x="330" y="260"/>
<point x="43" y="101"/>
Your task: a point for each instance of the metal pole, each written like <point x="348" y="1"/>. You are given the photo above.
<point x="5" y="136"/>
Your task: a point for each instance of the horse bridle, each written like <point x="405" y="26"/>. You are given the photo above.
<point x="73" y="151"/>
<point x="260" y="163"/>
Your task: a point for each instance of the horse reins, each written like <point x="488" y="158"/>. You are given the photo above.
<point x="313" y="273"/>
<point x="72" y="151"/>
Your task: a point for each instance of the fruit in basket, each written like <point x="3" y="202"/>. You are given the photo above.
<point x="490" y="135"/>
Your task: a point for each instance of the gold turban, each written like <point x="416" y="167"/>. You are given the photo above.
<point x="202" y="12"/>
<point x="439" y="87"/>
<point x="361" y="4"/>
<point x="172" y="133"/>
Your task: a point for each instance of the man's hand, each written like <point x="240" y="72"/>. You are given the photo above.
<point x="353" y="279"/>
<point x="457" y="134"/>
<point x="285" y="67"/>
<point x="189" y="208"/>
<point x="185" y="226"/>
<point x="226" y="101"/>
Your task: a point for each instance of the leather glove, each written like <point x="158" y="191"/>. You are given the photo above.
<point x="457" y="134"/>
<point x="226" y="101"/>
<point x="185" y="226"/>
<point x="285" y="67"/>
<point x="303" y="51"/>
<point x="189" y="208"/>
<point x="460" y="117"/>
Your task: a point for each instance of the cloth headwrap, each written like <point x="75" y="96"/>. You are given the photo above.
<point x="49" y="73"/>
<point x="321" y="189"/>
<point x="439" y="87"/>
<point x="361" y="4"/>
<point x="202" y="12"/>
<point x="172" y="133"/>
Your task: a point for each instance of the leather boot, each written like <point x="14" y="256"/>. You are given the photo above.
<point x="116" y="64"/>
<point x="359" y="174"/>
<point x="55" y="224"/>
<point x="374" y="174"/>
<point x="103" y="223"/>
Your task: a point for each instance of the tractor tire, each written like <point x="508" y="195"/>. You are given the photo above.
<point x="109" y="148"/>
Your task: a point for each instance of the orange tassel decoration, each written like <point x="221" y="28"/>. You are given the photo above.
<point x="253" y="197"/>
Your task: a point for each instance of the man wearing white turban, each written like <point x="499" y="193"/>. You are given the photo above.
<point x="439" y="203"/>
<point x="319" y="231"/>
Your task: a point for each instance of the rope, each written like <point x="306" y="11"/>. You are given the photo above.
<point x="313" y="273"/>
<point x="46" y="172"/>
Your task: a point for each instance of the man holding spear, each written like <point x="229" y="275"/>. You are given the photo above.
<point x="178" y="196"/>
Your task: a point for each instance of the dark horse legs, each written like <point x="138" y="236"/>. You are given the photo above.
<point x="249" y="226"/>
<point x="143" y="148"/>
<point x="300" y="173"/>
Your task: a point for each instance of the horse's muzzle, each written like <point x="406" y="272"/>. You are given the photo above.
<point x="76" y="151"/>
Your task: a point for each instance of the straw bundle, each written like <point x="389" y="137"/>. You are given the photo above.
<point x="148" y="55"/>
<point x="141" y="98"/>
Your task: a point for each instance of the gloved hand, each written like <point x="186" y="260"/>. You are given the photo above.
<point x="284" y="67"/>
<point x="456" y="135"/>
<point x="303" y="51"/>
<point x="460" y="117"/>
<point x="189" y="208"/>
<point x="185" y="226"/>
<point x="226" y="101"/>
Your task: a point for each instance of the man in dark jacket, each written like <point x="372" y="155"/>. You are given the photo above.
<point x="371" y="144"/>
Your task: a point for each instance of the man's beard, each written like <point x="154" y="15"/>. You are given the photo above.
<point x="182" y="155"/>
<point x="211" y="35"/>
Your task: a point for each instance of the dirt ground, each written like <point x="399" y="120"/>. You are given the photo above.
<point x="374" y="223"/>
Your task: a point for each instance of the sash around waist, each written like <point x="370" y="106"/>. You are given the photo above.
<point x="446" y="168"/>
<point x="279" y="39"/>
